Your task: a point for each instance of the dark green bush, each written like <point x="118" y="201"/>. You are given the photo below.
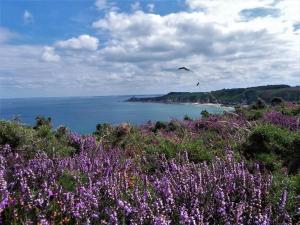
<point x="103" y="129"/>
<point x="122" y="130"/>
<point x="254" y="114"/>
<point x="205" y="114"/>
<point x="259" y="104"/>
<point x="26" y="140"/>
<point x="44" y="131"/>
<point x="163" y="146"/>
<point x="67" y="181"/>
<point x="42" y="121"/>
<point x="269" y="160"/>
<point x="277" y="101"/>
<point x="196" y="150"/>
<point x="13" y="134"/>
<point x="173" y="126"/>
<point x="61" y="132"/>
<point x="280" y="182"/>
<point x="294" y="164"/>
<point x="268" y="138"/>
<point x="159" y="125"/>
<point x="187" y="117"/>
<point x="296" y="111"/>
<point x="272" y="146"/>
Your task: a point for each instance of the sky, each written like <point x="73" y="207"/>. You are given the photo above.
<point x="131" y="47"/>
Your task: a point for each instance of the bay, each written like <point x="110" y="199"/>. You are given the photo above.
<point x="81" y="114"/>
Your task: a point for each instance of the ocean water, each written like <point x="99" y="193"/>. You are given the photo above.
<point x="81" y="114"/>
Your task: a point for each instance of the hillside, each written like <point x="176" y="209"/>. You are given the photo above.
<point x="229" y="96"/>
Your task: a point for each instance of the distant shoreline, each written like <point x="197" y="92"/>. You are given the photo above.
<point x="227" y="97"/>
<point x="187" y="103"/>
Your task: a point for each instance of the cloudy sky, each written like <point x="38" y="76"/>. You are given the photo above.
<point x="114" y="47"/>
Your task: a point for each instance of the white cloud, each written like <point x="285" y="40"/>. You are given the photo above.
<point x="106" y="5"/>
<point x="101" y="4"/>
<point x="83" y="42"/>
<point x="49" y="55"/>
<point x="150" y="7"/>
<point x="135" y="6"/>
<point x="27" y="17"/>
<point x="6" y="35"/>
<point x="222" y="48"/>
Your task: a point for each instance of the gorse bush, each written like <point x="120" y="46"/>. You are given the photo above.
<point x="273" y="145"/>
<point x="12" y="133"/>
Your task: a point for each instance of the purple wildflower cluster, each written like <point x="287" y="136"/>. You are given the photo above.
<point x="86" y="143"/>
<point x="277" y="118"/>
<point x="105" y="187"/>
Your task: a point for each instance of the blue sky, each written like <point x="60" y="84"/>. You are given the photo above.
<point x="55" y="20"/>
<point x="106" y="47"/>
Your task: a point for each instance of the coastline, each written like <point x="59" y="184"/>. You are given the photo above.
<point x="187" y="103"/>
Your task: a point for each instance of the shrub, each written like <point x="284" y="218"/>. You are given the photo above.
<point x="254" y="114"/>
<point x="173" y="126"/>
<point x="277" y="101"/>
<point x="163" y="146"/>
<point x="103" y="129"/>
<point x="11" y="133"/>
<point x="268" y="138"/>
<point x="44" y="131"/>
<point x="41" y="120"/>
<point x="269" y="160"/>
<point x="205" y="114"/>
<point x="294" y="164"/>
<point x="159" y="125"/>
<point x="296" y="111"/>
<point x="269" y="143"/>
<point x="122" y="130"/>
<point x="260" y="104"/>
<point x="62" y="132"/>
<point x="67" y="181"/>
<point x="196" y="150"/>
<point x="187" y="117"/>
<point x="281" y="182"/>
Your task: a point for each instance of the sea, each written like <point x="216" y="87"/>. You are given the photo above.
<point x="81" y="114"/>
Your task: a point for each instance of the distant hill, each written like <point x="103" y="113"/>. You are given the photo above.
<point x="229" y="96"/>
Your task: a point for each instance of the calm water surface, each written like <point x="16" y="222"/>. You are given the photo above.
<point x="81" y="114"/>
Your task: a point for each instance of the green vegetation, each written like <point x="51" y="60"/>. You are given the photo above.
<point x="274" y="94"/>
<point x="116" y="159"/>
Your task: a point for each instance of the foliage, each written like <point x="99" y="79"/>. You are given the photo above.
<point x="205" y="114"/>
<point x="42" y="121"/>
<point x="187" y="117"/>
<point x="241" y="167"/>
<point x="231" y="96"/>
<point x="273" y="145"/>
<point x="277" y="101"/>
